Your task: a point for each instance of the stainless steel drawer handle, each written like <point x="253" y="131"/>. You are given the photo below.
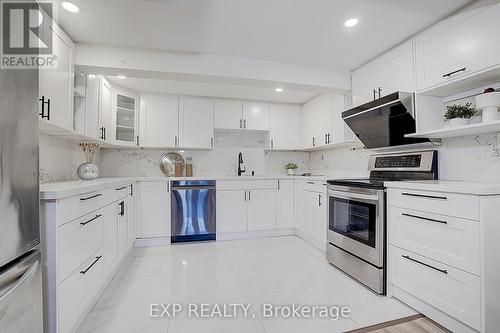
<point x="88" y="268"/>
<point x="92" y="219"/>
<point x="444" y="271"/>
<point x="120" y="188"/>
<point x="455" y="72"/>
<point x="92" y="197"/>
<point x="424" y="196"/>
<point x="424" y="218"/>
<point x="312" y="183"/>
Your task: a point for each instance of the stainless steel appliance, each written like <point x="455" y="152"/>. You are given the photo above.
<point x="20" y="260"/>
<point x="385" y="121"/>
<point x="193" y="215"/>
<point x="356" y="235"/>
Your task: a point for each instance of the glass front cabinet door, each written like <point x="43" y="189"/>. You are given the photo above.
<point x="126" y="117"/>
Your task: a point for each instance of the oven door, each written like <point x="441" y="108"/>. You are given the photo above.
<point x="356" y="222"/>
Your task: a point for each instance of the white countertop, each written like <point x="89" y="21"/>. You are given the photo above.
<point x="58" y="190"/>
<point x="450" y="186"/>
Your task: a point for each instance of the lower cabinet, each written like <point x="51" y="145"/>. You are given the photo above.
<point x="311" y="211"/>
<point x="261" y="209"/>
<point x="153" y="209"/>
<point x="285" y="204"/>
<point x="231" y="211"/>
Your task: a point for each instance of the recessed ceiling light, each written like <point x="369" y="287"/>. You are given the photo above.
<point x="351" y="22"/>
<point x="278" y="89"/>
<point x="70" y="7"/>
<point x="121" y="77"/>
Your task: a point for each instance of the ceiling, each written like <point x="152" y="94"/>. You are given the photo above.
<point x="306" y="32"/>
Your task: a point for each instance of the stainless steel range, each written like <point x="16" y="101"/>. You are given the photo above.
<point x="356" y="235"/>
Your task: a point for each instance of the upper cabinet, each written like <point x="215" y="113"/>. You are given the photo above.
<point x="256" y="116"/>
<point x="460" y="46"/>
<point x="159" y="121"/>
<point x="105" y="111"/>
<point x="196" y="122"/>
<point x="391" y="72"/>
<point x="228" y="114"/>
<point x="284" y="126"/>
<point x="125" y="117"/>
<point x="56" y="84"/>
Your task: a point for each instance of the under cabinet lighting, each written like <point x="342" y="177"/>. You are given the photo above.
<point x="351" y="22"/>
<point x="278" y="89"/>
<point x="70" y="7"/>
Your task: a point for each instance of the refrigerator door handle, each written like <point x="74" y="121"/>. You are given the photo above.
<point x="9" y="291"/>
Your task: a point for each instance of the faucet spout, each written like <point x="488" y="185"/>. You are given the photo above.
<point x="241" y="166"/>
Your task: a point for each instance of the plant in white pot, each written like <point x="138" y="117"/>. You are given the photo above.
<point x="291" y="167"/>
<point x="489" y="102"/>
<point x="459" y="115"/>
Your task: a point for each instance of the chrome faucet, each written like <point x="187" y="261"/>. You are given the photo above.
<point x="241" y="167"/>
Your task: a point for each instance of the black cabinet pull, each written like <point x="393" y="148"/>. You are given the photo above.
<point x="444" y="271"/>
<point x="137" y="140"/>
<point x="122" y="208"/>
<point x="312" y="183"/>
<point x="92" y="197"/>
<point x="314" y="141"/>
<point x="241" y="123"/>
<point x="249" y="199"/>
<point x="45" y="102"/>
<point x="88" y="268"/>
<point x="272" y="143"/>
<point x="244" y="123"/>
<point x="245" y="195"/>
<point x="92" y="219"/>
<point x="424" y="218"/>
<point x="278" y="184"/>
<point x="455" y="72"/>
<point x="105" y="134"/>
<point x="424" y="196"/>
<point x="120" y="188"/>
<point x="379" y="92"/>
<point x="374" y="94"/>
<point x="211" y="142"/>
<point x="319" y="200"/>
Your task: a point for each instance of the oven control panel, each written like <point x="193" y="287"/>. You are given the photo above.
<point x="401" y="161"/>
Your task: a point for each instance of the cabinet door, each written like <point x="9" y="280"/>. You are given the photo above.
<point x="159" y="121"/>
<point x="463" y="44"/>
<point x="105" y="112"/>
<point x="323" y="108"/>
<point x="231" y="211"/>
<point x="130" y="210"/>
<point x="315" y="215"/>
<point x="153" y="213"/>
<point x="228" y="114"/>
<point x="92" y="110"/>
<point x="256" y="116"/>
<point x="309" y="123"/>
<point x="299" y="209"/>
<point x="398" y="70"/>
<point x="122" y="238"/>
<point x="261" y="209"/>
<point x="284" y="126"/>
<point x="56" y="84"/>
<point x="285" y="204"/>
<point x="125" y="116"/>
<point x="365" y="80"/>
<point x="110" y="238"/>
<point x="338" y="135"/>
<point x="196" y="122"/>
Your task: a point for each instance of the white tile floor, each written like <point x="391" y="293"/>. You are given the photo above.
<point x="281" y="270"/>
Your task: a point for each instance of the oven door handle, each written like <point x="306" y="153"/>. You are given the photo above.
<point x="351" y="195"/>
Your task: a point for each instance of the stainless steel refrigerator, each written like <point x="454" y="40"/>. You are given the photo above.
<point x="21" y="296"/>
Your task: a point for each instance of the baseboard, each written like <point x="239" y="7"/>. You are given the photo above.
<point x="255" y="234"/>
<point x="153" y="241"/>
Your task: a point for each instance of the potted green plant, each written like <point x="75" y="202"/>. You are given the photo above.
<point x="459" y="115"/>
<point x="291" y="167"/>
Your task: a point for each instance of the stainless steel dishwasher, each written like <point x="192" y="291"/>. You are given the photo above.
<point x="193" y="215"/>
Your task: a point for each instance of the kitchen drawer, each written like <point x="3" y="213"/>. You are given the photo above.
<point x="458" y="205"/>
<point x="77" y="240"/>
<point x="247" y="184"/>
<point x="449" y="240"/>
<point x="73" y="207"/>
<point x="80" y="284"/>
<point x="447" y="289"/>
<point x="314" y="186"/>
<point x="119" y="192"/>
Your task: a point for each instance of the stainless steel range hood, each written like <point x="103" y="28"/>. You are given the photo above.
<point x="385" y="121"/>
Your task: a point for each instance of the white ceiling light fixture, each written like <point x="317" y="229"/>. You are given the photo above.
<point x="70" y="7"/>
<point x="278" y="89"/>
<point x="351" y="22"/>
<point x="121" y="77"/>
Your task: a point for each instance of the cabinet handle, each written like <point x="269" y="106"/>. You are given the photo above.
<point x="122" y="208"/>
<point x="245" y="195"/>
<point x="241" y="123"/>
<point x="211" y="142"/>
<point x="244" y="123"/>
<point x="104" y="134"/>
<point x="137" y="140"/>
<point x="88" y="268"/>
<point x="278" y="184"/>
<point x="131" y="190"/>
<point x="444" y="271"/>
<point x="379" y="92"/>
<point x="92" y="219"/>
<point x="319" y="200"/>
<point x="424" y="218"/>
<point x="42" y="113"/>
<point x="455" y="72"/>
<point x="424" y="196"/>
<point x="326" y="139"/>
<point x="312" y="183"/>
<point x="48" y="108"/>
<point x="272" y="143"/>
<point x="314" y="141"/>
<point x="249" y="197"/>
<point x="175" y="141"/>
<point x="374" y="94"/>
<point x="120" y="188"/>
<point x="329" y="140"/>
<point x="168" y="186"/>
<point x="91" y="197"/>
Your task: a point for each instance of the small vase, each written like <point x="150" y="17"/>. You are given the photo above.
<point x="489" y="104"/>
<point x="87" y="171"/>
<point x="456" y="122"/>
<point x="291" y="172"/>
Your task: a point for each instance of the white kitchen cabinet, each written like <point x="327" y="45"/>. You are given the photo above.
<point x="459" y="46"/>
<point x="284" y="126"/>
<point x="308" y="122"/>
<point x="153" y="216"/>
<point x="228" y="114"/>
<point x="261" y="209"/>
<point x="310" y="211"/>
<point x="196" y="122"/>
<point x="159" y="121"/>
<point x="121" y="226"/>
<point x="125" y="117"/>
<point x="285" y="204"/>
<point x="105" y="111"/>
<point x="79" y="101"/>
<point x="231" y="210"/>
<point x="56" y="83"/>
<point x="92" y="124"/>
<point x="256" y="116"/>
<point x="324" y="119"/>
<point x="338" y="132"/>
<point x="110" y="213"/>
<point x="391" y="72"/>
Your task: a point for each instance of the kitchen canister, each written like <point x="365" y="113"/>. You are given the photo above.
<point x="189" y="166"/>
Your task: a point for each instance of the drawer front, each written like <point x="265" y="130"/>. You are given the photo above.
<point x="79" y="285"/>
<point x="74" y="207"/>
<point x="315" y="186"/>
<point x="77" y="240"/>
<point x="449" y="240"/>
<point x="449" y="290"/>
<point x="458" y="205"/>
<point x="119" y="192"/>
<point x="247" y="184"/>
